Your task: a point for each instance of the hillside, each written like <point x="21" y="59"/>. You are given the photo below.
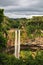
<point x="31" y="29"/>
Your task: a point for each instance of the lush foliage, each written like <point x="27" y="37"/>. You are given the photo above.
<point x="9" y="60"/>
<point x="29" y="59"/>
<point x="3" y="40"/>
<point x="32" y="58"/>
<point x="32" y="26"/>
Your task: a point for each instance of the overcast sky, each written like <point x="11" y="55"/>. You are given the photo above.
<point x="22" y="8"/>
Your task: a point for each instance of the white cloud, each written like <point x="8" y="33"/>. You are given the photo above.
<point x="22" y="8"/>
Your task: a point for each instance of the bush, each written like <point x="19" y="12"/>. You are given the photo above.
<point x="30" y="60"/>
<point x="39" y="58"/>
<point x="34" y="60"/>
<point x="9" y="60"/>
<point x="3" y="41"/>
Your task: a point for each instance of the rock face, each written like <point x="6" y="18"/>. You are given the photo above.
<point x="24" y="38"/>
<point x="38" y="40"/>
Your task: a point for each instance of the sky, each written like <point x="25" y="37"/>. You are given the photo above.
<point x="22" y="8"/>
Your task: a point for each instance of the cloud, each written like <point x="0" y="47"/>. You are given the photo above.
<point x="22" y="8"/>
<point x="17" y="16"/>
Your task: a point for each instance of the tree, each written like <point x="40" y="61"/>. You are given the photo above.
<point x="3" y="41"/>
<point x="1" y="18"/>
<point x="1" y="15"/>
<point x="2" y="38"/>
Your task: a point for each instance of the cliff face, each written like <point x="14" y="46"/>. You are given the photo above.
<point x="24" y="38"/>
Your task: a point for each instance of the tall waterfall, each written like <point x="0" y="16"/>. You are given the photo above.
<point x="17" y="43"/>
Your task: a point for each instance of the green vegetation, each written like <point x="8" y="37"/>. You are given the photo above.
<point x="29" y="59"/>
<point x="9" y="60"/>
<point x="30" y="29"/>
<point x="31" y="26"/>
<point x="3" y="40"/>
<point x="32" y="58"/>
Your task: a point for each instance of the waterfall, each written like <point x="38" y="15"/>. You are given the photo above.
<point x="17" y="43"/>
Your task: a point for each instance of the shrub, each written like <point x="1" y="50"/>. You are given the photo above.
<point x="39" y="58"/>
<point x="3" y="41"/>
<point x="9" y="60"/>
<point x="31" y="60"/>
